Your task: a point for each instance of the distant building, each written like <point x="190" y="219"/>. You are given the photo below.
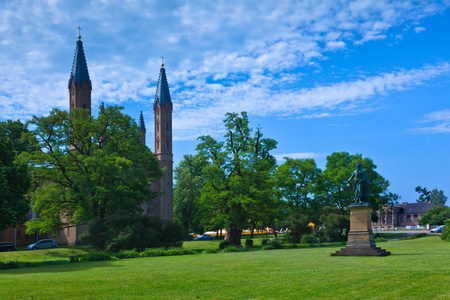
<point x="405" y="215"/>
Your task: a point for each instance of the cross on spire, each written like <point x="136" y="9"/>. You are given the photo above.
<point x="162" y="60"/>
<point x="79" y="32"/>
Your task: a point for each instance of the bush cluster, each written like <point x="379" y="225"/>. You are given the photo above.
<point x="127" y="232"/>
<point x="275" y="243"/>
<point x="380" y="239"/>
<point x="9" y="264"/>
<point x="248" y="243"/>
<point x="223" y="244"/>
<point x="446" y="233"/>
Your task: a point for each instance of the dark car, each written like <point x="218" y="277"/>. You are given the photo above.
<point x="204" y="237"/>
<point x="4" y="246"/>
<point x="42" y="244"/>
<point x="438" y="229"/>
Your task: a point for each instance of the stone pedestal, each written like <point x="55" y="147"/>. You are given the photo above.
<point x="360" y="238"/>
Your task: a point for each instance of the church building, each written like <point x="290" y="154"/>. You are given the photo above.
<point x="80" y="88"/>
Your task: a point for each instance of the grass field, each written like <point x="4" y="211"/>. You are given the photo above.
<point x="417" y="269"/>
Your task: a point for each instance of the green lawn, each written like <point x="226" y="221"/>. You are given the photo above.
<point x="418" y="269"/>
<point x="44" y="255"/>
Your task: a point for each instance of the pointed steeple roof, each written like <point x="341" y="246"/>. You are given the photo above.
<point x="141" y="123"/>
<point x="162" y="91"/>
<point x="79" y="68"/>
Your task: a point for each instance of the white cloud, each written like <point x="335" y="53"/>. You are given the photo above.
<point x="440" y="123"/>
<point x="221" y="55"/>
<point x="334" y="45"/>
<point x="419" y="29"/>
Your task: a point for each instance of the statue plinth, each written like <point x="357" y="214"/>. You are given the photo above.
<point x="361" y="241"/>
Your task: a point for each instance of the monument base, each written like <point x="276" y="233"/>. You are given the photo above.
<point x="361" y="241"/>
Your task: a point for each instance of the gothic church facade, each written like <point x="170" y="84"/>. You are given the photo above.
<point x="80" y="88"/>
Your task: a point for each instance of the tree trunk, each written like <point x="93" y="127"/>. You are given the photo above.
<point x="274" y="230"/>
<point x="251" y="231"/>
<point x="234" y="236"/>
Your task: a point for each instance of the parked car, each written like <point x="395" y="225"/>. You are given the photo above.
<point x="5" y="246"/>
<point x="438" y="229"/>
<point x="204" y="237"/>
<point x="42" y="244"/>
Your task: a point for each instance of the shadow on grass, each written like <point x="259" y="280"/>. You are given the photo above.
<point x="57" y="267"/>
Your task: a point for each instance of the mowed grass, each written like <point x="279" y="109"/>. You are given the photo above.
<point x="417" y="269"/>
<point x="44" y="254"/>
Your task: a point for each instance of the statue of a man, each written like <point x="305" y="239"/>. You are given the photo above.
<point x="361" y="184"/>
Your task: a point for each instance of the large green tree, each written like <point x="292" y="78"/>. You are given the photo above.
<point x="89" y="170"/>
<point x="435" y="196"/>
<point x="237" y="189"/>
<point x="337" y="191"/>
<point x="15" y="181"/>
<point x="187" y="192"/>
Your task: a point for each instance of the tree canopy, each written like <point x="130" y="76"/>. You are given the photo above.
<point x="237" y="187"/>
<point x="88" y="170"/>
<point x="15" y="180"/>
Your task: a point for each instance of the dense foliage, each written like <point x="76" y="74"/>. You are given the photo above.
<point x="436" y="215"/>
<point x="89" y="170"/>
<point x="15" y="179"/>
<point x="237" y="188"/>
<point x="236" y="184"/>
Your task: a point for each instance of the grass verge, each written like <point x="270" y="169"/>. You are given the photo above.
<point x="278" y="274"/>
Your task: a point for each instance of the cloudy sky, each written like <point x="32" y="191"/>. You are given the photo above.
<point x="368" y="76"/>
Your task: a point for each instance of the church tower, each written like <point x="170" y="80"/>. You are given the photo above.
<point x="80" y="85"/>
<point x="163" y="205"/>
<point x="142" y="128"/>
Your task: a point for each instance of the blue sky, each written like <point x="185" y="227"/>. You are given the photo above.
<point x="369" y="76"/>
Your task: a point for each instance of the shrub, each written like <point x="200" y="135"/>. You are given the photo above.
<point x="180" y="251"/>
<point x="446" y="233"/>
<point x="126" y="232"/>
<point x="264" y="242"/>
<point x="267" y="247"/>
<point x="224" y="244"/>
<point x="248" y="243"/>
<point x="97" y="256"/>
<point x="9" y="264"/>
<point x="209" y="251"/>
<point x="74" y="259"/>
<point x="308" y="239"/>
<point x="230" y="249"/>
<point x="380" y="240"/>
<point x="153" y="253"/>
<point x="276" y="243"/>
<point x="126" y="254"/>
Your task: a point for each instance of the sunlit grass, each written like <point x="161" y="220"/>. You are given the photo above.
<point x="44" y="254"/>
<point x="418" y="269"/>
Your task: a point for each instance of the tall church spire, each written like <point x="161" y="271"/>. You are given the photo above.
<point x="162" y="91"/>
<point x="142" y="128"/>
<point x="80" y="85"/>
<point x="163" y="205"/>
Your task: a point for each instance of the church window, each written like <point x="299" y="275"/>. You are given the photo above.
<point x="157" y="125"/>
<point x="84" y="106"/>
<point x="415" y="218"/>
<point x="408" y="218"/>
<point x="400" y="218"/>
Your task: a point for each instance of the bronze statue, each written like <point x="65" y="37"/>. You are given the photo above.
<point x="361" y="184"/>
